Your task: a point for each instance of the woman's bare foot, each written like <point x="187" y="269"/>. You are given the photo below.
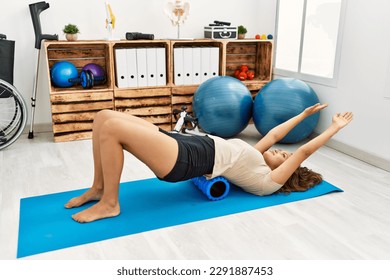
<point x="98" y="211"/>
<point x="92" y="194"/>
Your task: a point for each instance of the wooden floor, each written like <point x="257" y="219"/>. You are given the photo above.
<point x="353" y="225"/>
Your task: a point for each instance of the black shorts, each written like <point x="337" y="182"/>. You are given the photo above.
<point x="195" y="157"/>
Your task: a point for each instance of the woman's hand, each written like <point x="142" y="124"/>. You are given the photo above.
<point x="340" y="120"/>
<point x="314" y="109"/>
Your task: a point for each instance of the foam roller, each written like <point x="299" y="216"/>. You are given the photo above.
<point x="215" y="189"/>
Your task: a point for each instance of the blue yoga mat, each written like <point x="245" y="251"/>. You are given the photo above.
<point x="45" y="225"/>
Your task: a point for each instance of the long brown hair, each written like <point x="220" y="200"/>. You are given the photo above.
<point x="301" y="180"/>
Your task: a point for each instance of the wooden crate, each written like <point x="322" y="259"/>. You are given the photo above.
<point x="192" y="44"/>
<point x="80" y="53"/>
<point x="182" y="96"/>
<point x="142" y="44"/>
<point x="257" y="54"/>
<point x="74" y="108"/>
<point x="73" y="113"/>
<point x="151" y="104"/>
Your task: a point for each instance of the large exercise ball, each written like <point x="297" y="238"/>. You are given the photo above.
<point x="280" y="100"/>
<point x="223" y="106"/>
<point x="61" y="72"/>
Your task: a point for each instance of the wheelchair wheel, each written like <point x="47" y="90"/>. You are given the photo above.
<point x="13" y="114"/>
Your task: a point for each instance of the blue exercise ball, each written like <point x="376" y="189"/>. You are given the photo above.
<point x="61" y="72"/>
<point x="280" y="100"/>
<point x="223" y="106"/>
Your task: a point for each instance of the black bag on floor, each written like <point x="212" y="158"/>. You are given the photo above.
<point x="7" y="52"/>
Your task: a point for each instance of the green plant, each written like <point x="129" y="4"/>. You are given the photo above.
<point x="242" y="29"/>
<point x="71" y="29"/>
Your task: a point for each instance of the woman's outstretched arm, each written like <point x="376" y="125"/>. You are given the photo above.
<point x="277" y="133"/>
<point x="282" y="173"/>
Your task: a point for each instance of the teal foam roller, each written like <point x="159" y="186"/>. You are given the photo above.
<point x="215" y="189"/>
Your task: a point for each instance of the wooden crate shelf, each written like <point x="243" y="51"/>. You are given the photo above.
<point x="199" y="43"/>
<point x="73" y="113"/>
<point x="80" y="53"/>
<point x="73" y="109"/>
<point x="152" y="104"/>
<point x="257" y="54"/>
<point x="182" y="96"/>
<point x="140" y="44"/>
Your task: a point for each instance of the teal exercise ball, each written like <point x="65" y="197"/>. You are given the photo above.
<point x="280" y="100"/>
<point x="223" y="106"/>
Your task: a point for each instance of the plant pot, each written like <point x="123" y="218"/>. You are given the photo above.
<point x="241" y="36"/>
<point x="71" y="37"/>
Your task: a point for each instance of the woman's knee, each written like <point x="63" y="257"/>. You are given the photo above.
<point x="112" y="128"/>
<point x="101" y="117"/>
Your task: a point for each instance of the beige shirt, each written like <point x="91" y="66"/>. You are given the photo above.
<point x="242" y="165"/>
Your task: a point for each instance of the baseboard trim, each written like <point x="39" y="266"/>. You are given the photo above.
<point x="39" y="128"/>
<point x="359" y="154"/>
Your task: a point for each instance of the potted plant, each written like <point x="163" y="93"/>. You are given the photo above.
<point x="241" y="32"/>
<point x="71" y="31"/>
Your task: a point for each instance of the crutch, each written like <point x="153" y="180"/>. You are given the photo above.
<point x="35" y="10"/>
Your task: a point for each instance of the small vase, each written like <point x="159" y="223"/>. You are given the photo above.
<point x="71" y="37"/>
<point x="241" y="36"/>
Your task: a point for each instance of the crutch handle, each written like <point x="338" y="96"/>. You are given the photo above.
<point x="35" y="10"/>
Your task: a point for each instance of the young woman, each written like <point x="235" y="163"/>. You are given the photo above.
<point x="174" y="157"/>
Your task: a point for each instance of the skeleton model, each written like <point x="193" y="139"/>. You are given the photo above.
<point x="177" y="13"/>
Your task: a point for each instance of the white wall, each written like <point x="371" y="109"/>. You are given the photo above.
<point x="145" y="16"/>
<point x="363" y="80"/>
<point x="363" y="84"/>
<point x="364" y="66"/>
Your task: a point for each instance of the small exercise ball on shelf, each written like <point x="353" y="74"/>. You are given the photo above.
<point x="280" y="100"/>
<point x="223" y="106"/>
<point x="61" y="72"/>
<point x="95" y="69"/>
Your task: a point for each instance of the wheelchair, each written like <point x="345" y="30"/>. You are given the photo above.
<point x="13" y="112"/>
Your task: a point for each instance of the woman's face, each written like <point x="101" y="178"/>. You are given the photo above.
<point x="275" y="158"/>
